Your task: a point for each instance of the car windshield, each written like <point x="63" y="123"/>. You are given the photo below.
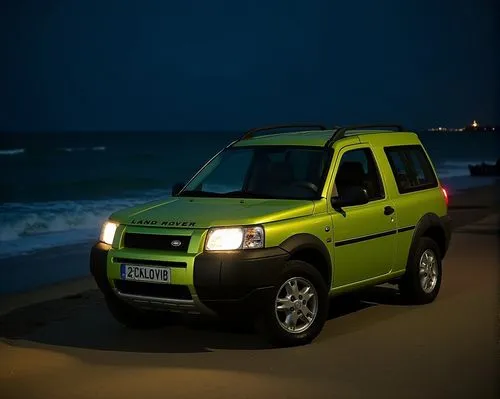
<point x="288" y="172"/>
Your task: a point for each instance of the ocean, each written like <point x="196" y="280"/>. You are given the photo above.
<point x="58" y="188"/>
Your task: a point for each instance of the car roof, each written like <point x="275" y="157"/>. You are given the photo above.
<point x="319" y="138"/>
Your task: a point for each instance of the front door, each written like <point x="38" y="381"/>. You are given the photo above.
<point x="364" y="236"/>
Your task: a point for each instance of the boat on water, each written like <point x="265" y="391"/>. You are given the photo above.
<point x="485" y="169"/>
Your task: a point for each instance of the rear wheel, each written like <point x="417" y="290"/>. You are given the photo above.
<point x="298" y="308"/>
<point x="135" y="318"/>
<point x="422" y="280"/>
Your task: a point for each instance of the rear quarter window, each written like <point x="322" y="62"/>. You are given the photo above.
<point x="411" y="168"/>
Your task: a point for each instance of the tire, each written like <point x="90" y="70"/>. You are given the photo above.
<point x="271" y="321"/>
<point x="411" y="285"/>
<point x="135" y="318"/>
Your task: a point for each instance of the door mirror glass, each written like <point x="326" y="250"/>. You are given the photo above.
<point x="349" y="196"/>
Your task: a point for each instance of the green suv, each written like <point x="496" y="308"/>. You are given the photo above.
<point x="275" y="224"/>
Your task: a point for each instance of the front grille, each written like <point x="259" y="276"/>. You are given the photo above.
<point x="150" y="262"/>
<point x="156" y="241"/>
<point x="170" y="291"/>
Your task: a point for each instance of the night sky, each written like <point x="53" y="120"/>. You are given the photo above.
<point x="168" y="65"/>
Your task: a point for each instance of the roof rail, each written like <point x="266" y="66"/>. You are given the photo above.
<point x="251" y="132"/>
<point x="341" y="131"/>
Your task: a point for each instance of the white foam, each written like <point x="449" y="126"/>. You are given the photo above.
<point x="30" y="244"/>
<point x="72" y="149"/>
<point x="80" y="149"/>
<point x="460" y="164"/>
<point x="25" y="227"/>
<point x="446" y="173"/>
<point x="14" y="151"/>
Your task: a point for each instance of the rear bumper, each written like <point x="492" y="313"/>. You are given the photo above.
<point x="226" y="283"/>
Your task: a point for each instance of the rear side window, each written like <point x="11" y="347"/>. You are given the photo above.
<point x="411" y="168"/>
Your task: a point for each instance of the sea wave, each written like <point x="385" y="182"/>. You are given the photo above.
<point x="454" y="184"/>
<point x="461" y="164"/>
<point x="29" y="226"/>
<point x="80" y="149"/>
<point x="458" y="168"/>
<point x="14" y="151"/>
<point x="25" y="227"/>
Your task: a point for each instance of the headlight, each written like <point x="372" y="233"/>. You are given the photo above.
<point x="108" y="232"/>
<point x="231" y="238"/>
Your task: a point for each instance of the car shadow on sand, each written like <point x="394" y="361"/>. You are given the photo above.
<point x="82" y="321"/>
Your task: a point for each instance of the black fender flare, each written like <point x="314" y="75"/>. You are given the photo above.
<point x="305" y="241"/>
<point x="427" y="221"/>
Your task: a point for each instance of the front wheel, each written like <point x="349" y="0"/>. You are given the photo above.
<point x="298" y="308"/>
<point x="422" y="280"/>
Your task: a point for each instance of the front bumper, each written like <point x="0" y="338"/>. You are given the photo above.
<point x="225" y="283"/>
<point x="242" y="281"/>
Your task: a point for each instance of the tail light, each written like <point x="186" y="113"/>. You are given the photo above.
<point x="445" y="195"/>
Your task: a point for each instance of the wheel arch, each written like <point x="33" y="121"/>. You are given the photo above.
<point x="432" y="226"/>
<point x="310" y="249"/>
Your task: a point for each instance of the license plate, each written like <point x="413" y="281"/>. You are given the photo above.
<point x="145" y="273"/>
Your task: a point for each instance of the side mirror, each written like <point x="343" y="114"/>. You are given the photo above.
<point x="352" y="195"/>
<point x="177" y="188"/>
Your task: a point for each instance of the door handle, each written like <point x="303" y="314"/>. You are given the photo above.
<point x="388" y="210"/>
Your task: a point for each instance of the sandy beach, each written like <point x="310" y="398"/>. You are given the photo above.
<point x="59" y="341"/>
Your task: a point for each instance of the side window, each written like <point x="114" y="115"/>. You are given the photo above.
<point x="411" y="168"/>
<point x="358" y="168"/>
<point x="399" y="169"/>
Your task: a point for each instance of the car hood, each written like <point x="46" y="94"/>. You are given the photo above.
<point x="184" y="212"/>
